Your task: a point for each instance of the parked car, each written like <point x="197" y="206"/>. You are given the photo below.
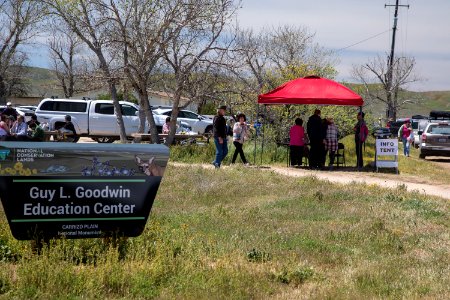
<point x="418" y="123"/>
<point x="435" y="139"/>
<point x="197" y="122"/>
<point x="381" y="133"/>
<point x="91" y="118"/>
<point x="440" y="115"/>
<point x="395" y="125"/>
<point x="27" y="107"/>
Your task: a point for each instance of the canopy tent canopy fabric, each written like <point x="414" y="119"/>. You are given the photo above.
<point x="311" y="90"/>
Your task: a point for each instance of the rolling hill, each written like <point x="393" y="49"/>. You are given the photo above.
<point x="42" y="82"/>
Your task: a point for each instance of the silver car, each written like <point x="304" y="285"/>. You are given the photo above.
<point x="435" y="139"/>
<point x="418" y="125"/>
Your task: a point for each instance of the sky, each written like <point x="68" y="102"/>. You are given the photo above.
<point x="423" y="31"/>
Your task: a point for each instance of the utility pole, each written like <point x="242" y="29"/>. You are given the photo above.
<point x="391" y="111"/>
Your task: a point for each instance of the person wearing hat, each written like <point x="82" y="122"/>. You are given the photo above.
<point x="220" y="136"/>
<point x="361" y="133"/>
<point x="9" y="110"/>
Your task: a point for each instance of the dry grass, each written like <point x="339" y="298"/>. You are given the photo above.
<point x="242" y="233"/>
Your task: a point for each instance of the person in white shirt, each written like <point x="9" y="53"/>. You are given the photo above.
<point x="19" y="130"/>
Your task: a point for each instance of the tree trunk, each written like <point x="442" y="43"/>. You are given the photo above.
<point x="146" y="113"/>
<point x="2" y="90"/>
<point x="117" y="111"/>
<point x="173" y="118"/>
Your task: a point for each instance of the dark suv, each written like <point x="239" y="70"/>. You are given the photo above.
<point x="394" y="126"/>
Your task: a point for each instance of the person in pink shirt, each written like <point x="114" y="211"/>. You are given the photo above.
<point x="405" y="134"/>
<point x="297" y="142"/>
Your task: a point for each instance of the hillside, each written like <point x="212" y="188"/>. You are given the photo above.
<point x="42" y="82"/>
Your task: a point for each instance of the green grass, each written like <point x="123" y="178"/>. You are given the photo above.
<point x="243" y="233"/>
<point x="412" y="167"/>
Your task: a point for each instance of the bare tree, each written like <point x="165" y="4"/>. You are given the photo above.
<point x="374" y="77"/>
<point x="18" y="20"/>
<point x="65" y="47"/>
<point x="142" y="30"/>
<point x="272" y="56"/>
<point x="90" y="22"/>
<point x="276" y="55"/>
<point x="196" y="50"/>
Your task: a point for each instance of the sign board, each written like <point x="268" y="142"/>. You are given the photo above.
<point x="70" y="190"/>
<point x="387" y="153"/>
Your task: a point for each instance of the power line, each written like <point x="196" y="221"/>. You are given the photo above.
<point x="360" y="42"/>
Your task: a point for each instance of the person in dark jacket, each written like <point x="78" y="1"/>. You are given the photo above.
<point x="361" y="133"/>
<point x="316" y="134"/>
<point x="9" y="110"/>
<point x="220" y="136"/>
<point x="68" y="128"/>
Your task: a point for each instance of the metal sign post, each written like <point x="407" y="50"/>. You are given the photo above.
<point x="386" y="153"/>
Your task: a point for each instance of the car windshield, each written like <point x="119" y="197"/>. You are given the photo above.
<point x="439" y="129"/>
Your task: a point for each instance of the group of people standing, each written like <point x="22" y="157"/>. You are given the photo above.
<point x="240" y="134"/>
<point x="322" y="135"/>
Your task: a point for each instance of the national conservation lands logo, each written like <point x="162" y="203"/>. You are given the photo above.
<point x="83" y="190"/>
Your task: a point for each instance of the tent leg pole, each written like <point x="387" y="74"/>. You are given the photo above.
<point x="263" y="135"/>
<point x="256" y="133"/>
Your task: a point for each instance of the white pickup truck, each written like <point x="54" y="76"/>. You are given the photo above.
<point x="91" y="118"/>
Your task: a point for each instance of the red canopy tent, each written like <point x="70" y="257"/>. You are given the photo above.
<point x="311" y="90"/>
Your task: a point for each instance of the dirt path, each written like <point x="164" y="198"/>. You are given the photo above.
<point x="387" y="181"/>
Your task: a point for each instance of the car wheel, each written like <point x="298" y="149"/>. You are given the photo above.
<point x="422" y="156"/>
<point x="105" y="139"/>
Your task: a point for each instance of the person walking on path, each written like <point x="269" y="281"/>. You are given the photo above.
<point x="296" y="143"/>
<point x="331" y="141"/>
<point x="220" y="136"/>
<point x="405" y="134"/>
<point x="240" y="134"/>
<point x="361" y="133"/>
<point x="316" y="136"/>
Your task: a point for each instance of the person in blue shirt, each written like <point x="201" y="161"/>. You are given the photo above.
<point x="19" y="130"/>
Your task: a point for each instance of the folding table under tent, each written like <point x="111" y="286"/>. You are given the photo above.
<point x="309" y="90"/>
